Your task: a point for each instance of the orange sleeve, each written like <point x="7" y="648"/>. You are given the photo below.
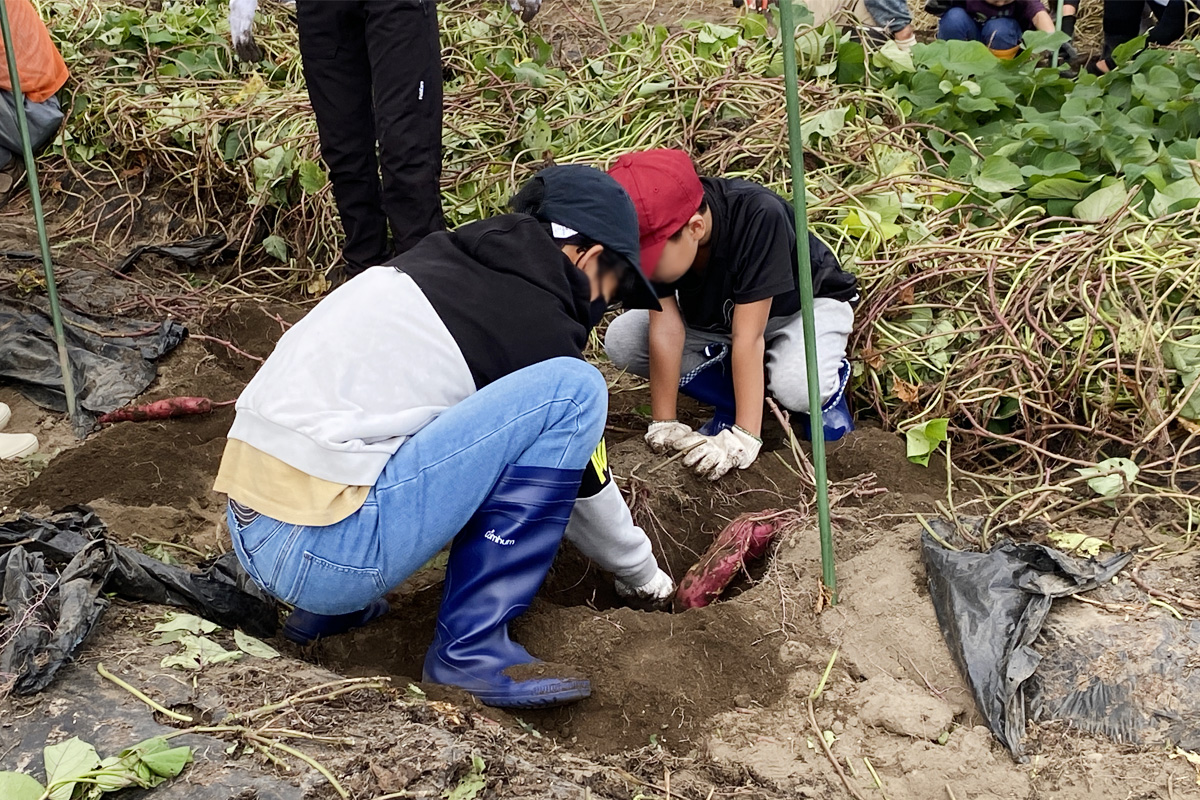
<point x="42" y="69"/>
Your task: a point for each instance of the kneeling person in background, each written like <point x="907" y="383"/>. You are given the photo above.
<point x="465" y="414"/>
<point x="722" y="255"/>
<point x="999" y="24"/>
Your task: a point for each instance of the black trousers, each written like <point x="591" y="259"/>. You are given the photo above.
<point x="374" y="75"/>
<point x="1123" y="22"/>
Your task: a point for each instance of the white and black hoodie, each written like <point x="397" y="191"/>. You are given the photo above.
<point x="383" y="355"/>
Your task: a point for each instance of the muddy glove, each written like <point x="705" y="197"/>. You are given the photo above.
<point x="716" y="455"/>
<point x="657" y="591"/>
<point x="526" y="8"/>
<point x="664" y="437"/>
<point x="241" y="29"/>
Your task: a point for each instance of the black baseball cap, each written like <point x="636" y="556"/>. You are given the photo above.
<point x="588" y="201"/>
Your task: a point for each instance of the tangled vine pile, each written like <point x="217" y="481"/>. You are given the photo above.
<point x="1028" y="242"/>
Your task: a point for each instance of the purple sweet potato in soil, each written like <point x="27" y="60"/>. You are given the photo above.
<point x="747" y="537"/>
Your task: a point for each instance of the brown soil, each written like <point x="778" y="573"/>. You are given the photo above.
<point x="717" y="695"/>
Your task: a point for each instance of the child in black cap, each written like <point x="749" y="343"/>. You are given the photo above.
<point x="444" y="397"/>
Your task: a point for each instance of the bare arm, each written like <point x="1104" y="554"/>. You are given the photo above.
<point x="667" y="336"/>
<point x="748" y="352"/>
<point x="1043" y="21"/>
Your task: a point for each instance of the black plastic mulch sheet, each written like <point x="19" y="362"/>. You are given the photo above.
<point x="112" y="360"/>
<point x="991" y="607"/>
<point x="53" y="576"/>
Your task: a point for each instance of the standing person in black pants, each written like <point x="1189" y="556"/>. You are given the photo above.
<point x="374" y="75"/>
<point x="1123" y="23"/>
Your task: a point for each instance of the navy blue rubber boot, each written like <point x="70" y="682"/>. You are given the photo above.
<point x="497" y="564"/>
<point x="835" y="414"/>
<point x="305" y="627"/>
<point x="711" y="383"/>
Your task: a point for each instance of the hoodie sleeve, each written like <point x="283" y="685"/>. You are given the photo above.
<point x="601" y="527"/>
<point x="241" y="21"/>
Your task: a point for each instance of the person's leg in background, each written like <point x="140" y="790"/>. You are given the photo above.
<point x="956" y="23"/>
<point x="1122" y="23"/>
<point x="895" y="17"/>
<point x="406" y="74"/>
<point x="1002" y="35"/>
<point x="787" y="371"/>
<point x="337" y="69"/>
<point x="43" y="120"/>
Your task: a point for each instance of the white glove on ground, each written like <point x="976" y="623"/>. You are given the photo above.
<point x="526" y="8"/>
<point x="658" y="590"/>
<point x="671" y="435"/>
<point x="732" y="447"/>
<point x="241" y="25"/>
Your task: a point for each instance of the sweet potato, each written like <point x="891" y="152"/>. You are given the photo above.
<point x="159" y="409"/>
<point x="744" y="539"/>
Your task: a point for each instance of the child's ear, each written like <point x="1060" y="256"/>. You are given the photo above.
<point x="696" y="226"/>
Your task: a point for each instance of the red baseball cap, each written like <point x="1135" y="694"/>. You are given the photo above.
<point x="665" y="190"/>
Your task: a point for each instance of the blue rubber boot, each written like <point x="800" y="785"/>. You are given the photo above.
<point x="711" y="383"/>
<point x="305" y="627"/>
<point x="835" y="414"/>
<point x="496" y="565"/>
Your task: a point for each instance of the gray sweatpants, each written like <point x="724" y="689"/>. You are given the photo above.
<point x="628" y="346"/>
<point x="43" y="118"/>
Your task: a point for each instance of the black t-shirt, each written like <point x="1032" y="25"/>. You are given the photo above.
<point x="752" y="256"/>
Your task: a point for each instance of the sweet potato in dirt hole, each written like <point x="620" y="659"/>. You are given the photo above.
<point x="746" y="538"/>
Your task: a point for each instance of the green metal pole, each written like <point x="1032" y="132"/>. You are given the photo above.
<point x="787" y="31"/>
<point x="64" y="362"/>
<point x="1058" y="29"/>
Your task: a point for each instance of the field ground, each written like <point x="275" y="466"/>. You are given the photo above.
<point x="713" y="698"/>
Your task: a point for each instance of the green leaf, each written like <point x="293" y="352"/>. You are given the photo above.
<point x="892" y="57"/>
<point x="1078" y="543"/>
<point x="923" y="439"/>
<point x="1104" y="484"/>
<point x="312" y="177"/>
<point x="276" y="247"/>
<point x="251" y="646"/>
<point x="186" y="622"/>
<point x="65" y="763"/>
<point x="998" y="174"/>
<point x="471" y="784"/>
<point x="1177" y="196"/>
<point x="1102" y="203"/>
<point x="1058" y="187"/>
<point x="827" y="123"/>
<point x="168" y="763"/>
<point x="653" y="87"/>
<point x="199" y="652"/>
<point x="19" y="786"/>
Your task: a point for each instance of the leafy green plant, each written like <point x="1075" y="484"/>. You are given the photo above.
<point x="74" y="771"/>
<point x="1019" y="133"/>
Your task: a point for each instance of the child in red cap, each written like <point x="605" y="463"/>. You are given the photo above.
<point x="721" y="254"/>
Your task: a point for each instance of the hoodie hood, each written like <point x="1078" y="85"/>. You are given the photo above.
<point x="505" y="291"/>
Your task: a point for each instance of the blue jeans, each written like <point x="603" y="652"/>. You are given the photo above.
<point x="998" y="33"/>
<point x="548" y="415"/>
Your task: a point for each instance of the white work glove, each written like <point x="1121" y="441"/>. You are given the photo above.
<point x="657" y="590"/>
<point x="241" y="29"/>
<point x="671" y="435"/>
<point x="716" y="455"/>
<point x="526" y="8"/>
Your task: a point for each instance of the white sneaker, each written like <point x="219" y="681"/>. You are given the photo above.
<point x="5" y="415"/>
<point x="17" y="445"/>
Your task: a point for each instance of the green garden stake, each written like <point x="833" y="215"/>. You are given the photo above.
<point x="1057" y="29"/>
<point x="64" y="361"/>
<point x="787" y="32"/>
